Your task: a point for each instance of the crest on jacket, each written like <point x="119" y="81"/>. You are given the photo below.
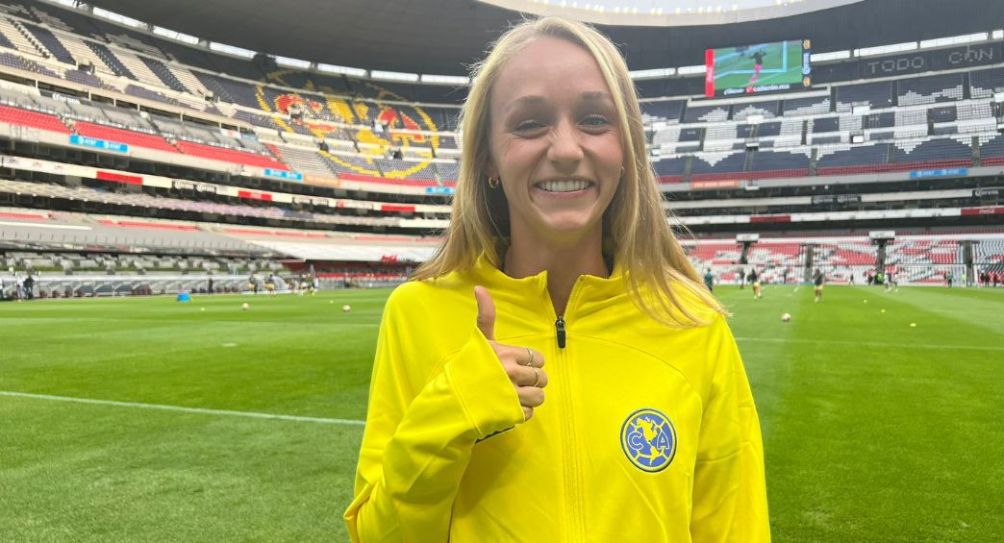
<point x="649" y="439"/>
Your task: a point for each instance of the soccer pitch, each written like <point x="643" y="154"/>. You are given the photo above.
<point x="874" y="430"/>
<point x="734" y="69"/>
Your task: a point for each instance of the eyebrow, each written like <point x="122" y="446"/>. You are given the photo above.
<point x="534" y="99"/>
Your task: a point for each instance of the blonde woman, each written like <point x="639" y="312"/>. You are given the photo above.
<point x="559" y="274"/>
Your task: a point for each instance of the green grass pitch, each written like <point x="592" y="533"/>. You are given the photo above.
<point x="874" y="430"/>
<point x="735" y="70"/>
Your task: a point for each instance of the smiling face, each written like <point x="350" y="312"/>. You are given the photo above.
<point x="555" y="142"/>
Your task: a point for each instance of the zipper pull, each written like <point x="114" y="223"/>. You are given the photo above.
<point x="559" y="327"/>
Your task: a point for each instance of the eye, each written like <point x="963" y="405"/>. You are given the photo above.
<point x="529" y="126"/>
<point x="595" y="121"/>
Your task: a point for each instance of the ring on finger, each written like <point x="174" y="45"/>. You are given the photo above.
<point x="530" y="352"/>
<point x="536" y="377"/>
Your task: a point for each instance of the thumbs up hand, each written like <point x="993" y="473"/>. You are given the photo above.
<point x="522" y="364"/>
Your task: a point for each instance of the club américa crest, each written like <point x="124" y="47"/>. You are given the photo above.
<point x="649" y="440"/>
<point x="322" y="110"/>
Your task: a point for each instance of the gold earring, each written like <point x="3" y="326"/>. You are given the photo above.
<point x="493" y="182"/>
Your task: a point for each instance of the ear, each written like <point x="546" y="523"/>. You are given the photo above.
<point x="491" y="170"/>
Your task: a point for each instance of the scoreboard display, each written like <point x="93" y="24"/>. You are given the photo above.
<point x="755" y="69"/>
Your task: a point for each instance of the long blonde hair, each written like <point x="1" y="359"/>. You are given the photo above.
<point x="635" y="230"/>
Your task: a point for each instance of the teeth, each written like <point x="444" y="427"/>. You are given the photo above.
<point x="564" y="186"/>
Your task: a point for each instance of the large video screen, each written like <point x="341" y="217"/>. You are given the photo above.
<point x="753" y="69"/>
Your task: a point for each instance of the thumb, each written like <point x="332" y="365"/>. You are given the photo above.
<point x="486" y="312"/>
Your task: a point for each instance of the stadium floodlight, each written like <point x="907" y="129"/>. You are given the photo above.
<point x="344" y="70"/>
<point x="886" y="49"/>
<point x="954" y="40"/>
<point x="175" y="35"/>
<point x="455" y="80"/>
<point x="826" y="57"/>
<point x="393" y="76"/>
<point x="656" y="73"/>
<point x="231" y="50"/>
<point x="292" y="62"/>
<point x="121" y="19"/>
<point x="692" y="70"/>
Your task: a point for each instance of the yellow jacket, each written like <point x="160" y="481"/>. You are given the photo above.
<point x="647" y="433"/>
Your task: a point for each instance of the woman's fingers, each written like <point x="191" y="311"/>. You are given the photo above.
<point x="526" y="376"/>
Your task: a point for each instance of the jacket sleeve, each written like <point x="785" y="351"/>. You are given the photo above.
<point x="730" y="491"/>
<point x="421" y="428"/>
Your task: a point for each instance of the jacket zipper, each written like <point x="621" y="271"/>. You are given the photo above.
<point x="559" y="328"/>
<point x="575" y="531"/>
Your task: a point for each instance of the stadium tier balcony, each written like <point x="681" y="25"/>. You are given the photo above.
<point x="84" y="78"/>
<point x="713" y="253"/>
<point x="448" y="171"/>
<point x="767" y="164"/>
<point x="405" y="169"/>
<point x="33" y="119"/>
<point x="824" y="125"/>
<point x="796" y="107"/>
<point x="909" y="117"/>
<point x="143" y="92"/>
<point x="992" y="151"/>
<point x="844" y="159"/>
<point x="885" y="119"/>
<point x="21" y="63"/>
<point x="720" y="132"/>
<point x="712" y="166"/>
<point x="229" y="155"/>
<point x="932" y="153"/>
<point x="129" y="137"/>
<point x="974" y="110"/>
<point x="670" y="169"/>
<point x="306" y="161"/>
<point x="943" y="114"/>
<point x="876" y="95"/>
<point x="984" y="83"/>
<point x="767" y="110"/>
<point x="667" y="111"/>
<point x="768" y="130"/>
<point x="235" y="92"/>
<point x="706" y="114"/>
<point x="930" y="90"/>
<point x="80" y="110"/>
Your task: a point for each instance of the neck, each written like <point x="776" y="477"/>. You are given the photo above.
<point x="564" y="263"/>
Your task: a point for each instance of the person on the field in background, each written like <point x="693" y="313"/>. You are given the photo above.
<point x="949" y="276"/>
<point x="709" y="280"/>
<point x="757" y="67"/>
<point x="818" y="279"/>
<point x="754" y="279"/>
<point x="850" y="280"/>
<point x="742" y="278"/>
<point x="558" y="254"/>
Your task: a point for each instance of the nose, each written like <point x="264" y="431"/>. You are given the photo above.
<point x="565" y="151"/>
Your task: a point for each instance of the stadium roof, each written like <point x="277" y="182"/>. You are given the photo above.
<point x="446" y="36"/>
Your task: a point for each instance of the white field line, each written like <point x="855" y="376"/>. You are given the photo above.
<point x="872" y="343"/>
<point x="178" y="409"/>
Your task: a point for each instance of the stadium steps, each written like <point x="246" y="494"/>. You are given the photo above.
<point x="48" y="40"/>
<point x="19" y="41"/>
<point x="83" y="54"/>
<point x="112" y="61"/>
<point x="38" y="48"/>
